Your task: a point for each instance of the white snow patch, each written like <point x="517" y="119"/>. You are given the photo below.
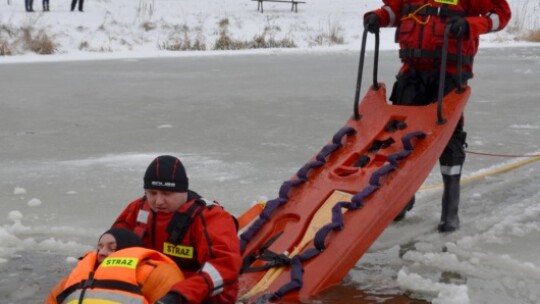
<point x="19" y="191"/>
<point x="34" y="202"/>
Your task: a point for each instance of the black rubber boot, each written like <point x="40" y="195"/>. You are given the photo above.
<point x="450" y="203"/>
<point x="407" y="208"/>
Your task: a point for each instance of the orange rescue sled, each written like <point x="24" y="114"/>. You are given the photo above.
<point x="335" y="207"/>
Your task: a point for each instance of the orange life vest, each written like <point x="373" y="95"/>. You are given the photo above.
<point x="421" y="30"/>
<point x="113" y="281"/>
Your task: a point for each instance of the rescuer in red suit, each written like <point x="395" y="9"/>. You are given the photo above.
<point x="420" y="30"/>
<point x="199" y="235"/>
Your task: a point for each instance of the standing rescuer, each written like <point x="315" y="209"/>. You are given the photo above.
<point x="420" y="31"/>
<point x="199" y="235"/>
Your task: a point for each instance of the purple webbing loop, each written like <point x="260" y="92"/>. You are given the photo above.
<point x="271" y="205"/>
<point x="326" y="151"/>
<point x="406" y="139"/>
<point x="396" y="157"/>
<point x="286" y="187"/>
<point x="341" y="133"/>
<point x="376" y="176"/>
<point x="297" y="273"/>
<point x="322" y="233"/>
<point x="358" y="199"/>
<point x="303" y="172"/>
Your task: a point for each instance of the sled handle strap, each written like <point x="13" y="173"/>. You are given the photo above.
<point x="357" y="115"/>
<point x="460" y="65"/>
<point x="376" y="62"/>
<point x="442" y="76"/>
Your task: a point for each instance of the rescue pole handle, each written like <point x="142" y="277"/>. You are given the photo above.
<point x="442" y="76"/>
<point x="375" y="86"/>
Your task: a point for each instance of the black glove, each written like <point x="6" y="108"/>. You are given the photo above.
<point x="372" y="23"/>
<point x="460" y="26"/>
<point x="171" y="298"/>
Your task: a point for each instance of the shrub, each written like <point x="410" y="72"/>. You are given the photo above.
<point x="179" y="40"/>
<point x="225" y="41"/>
<point x="40" y="43"/>
<point x="533" y="36"/>
<point x="84" y="45"/>
<point x="329" y="36"/>
<point x="261" y="42"/>
<point x="5" y="50"/>
<point x="265" y="40"/>
<point x="148" y="26"/>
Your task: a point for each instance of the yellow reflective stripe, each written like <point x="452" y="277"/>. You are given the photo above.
<point x="93" y="301"/>
<point x="451" y="2"/>
<point x="120" y="262"/>
<point x="180" y="251"/>
<point x="103" y="297"/>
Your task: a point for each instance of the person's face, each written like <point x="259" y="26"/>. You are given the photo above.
<point x="165" y="201"/>
<point x="106" y="246"/>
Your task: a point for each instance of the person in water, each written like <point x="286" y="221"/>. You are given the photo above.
<point x="120" y="270"/>
<point x="420" y="29"/>
<point x="198" y="234"/>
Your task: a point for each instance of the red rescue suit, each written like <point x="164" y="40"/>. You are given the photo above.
<point x="421" y="24"/>
<point x="208" y="252"/>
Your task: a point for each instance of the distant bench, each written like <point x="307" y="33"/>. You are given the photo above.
<point x="294" y="3"/>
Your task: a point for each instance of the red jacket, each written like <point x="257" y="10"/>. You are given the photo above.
<point x="421" y="24"/>
<point x="208" y="254"/>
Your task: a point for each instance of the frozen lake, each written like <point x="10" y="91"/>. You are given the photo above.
<point x="77" y="136"/>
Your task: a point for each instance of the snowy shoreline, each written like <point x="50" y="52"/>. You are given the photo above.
<point x="125" y="29"/>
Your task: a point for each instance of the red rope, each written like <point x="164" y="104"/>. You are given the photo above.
<point x="502" y="155"/>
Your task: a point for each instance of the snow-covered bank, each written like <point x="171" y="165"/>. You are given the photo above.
<point x="151" y="28"/>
